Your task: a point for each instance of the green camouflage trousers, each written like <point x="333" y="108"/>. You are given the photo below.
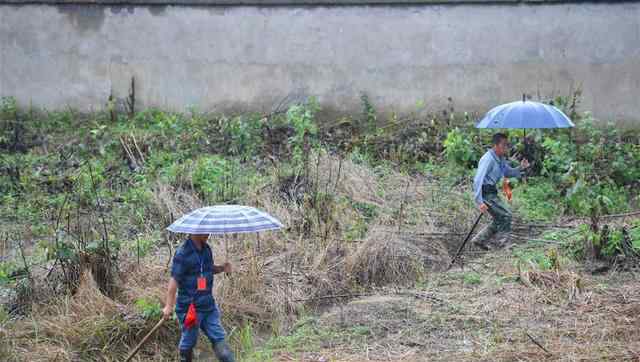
<point x="501" y="215"/>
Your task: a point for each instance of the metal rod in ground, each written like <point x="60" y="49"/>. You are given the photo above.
<point x="455" y="257"/>
<point x="144" y="340"/>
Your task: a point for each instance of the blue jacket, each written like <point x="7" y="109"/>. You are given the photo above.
<point x="188" y="265"/>
<point x="491" y="169"/>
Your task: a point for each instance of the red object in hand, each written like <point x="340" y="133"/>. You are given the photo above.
<point x="506" y="189"/>
<point x="191" y="318"/>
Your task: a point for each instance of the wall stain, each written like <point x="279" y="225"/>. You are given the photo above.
<point x="157" y="10"/>
<point x="84" y="17"/>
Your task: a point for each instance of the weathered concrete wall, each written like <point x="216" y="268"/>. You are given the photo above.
<point x="224" y="57"/>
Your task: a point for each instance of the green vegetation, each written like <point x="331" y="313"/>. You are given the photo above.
<point x="472" y="278"/>
<point x="93" y="192"/>
<point x="149" y="309"/>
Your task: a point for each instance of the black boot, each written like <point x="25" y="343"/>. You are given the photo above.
<point x="223" y="352"/>
<point x="186" y="355"/>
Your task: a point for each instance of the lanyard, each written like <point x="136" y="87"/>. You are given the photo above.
<point x="199" y="257"/>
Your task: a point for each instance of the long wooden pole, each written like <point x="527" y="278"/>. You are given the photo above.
<point x="465" y="241"/>
<point x="144" y="340"/>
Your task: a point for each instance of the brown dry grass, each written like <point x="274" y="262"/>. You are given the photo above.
<point x="279" y="276"/>
<point x="87" y="326"/>
<point x="494" y="320"/>
<point x="276" y="276"/>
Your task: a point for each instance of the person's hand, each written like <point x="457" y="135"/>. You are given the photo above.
<point x="524" y="164"/>
<point x="227" y="268"/>
<point x="483" y="207"/>
<point x="167" y="312"/>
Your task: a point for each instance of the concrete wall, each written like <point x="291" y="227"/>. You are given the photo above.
<point x="248" y="57"/>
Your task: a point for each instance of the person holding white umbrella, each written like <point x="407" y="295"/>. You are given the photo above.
<point x="193" y="269"/>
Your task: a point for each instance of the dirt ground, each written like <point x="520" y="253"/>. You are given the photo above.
<point x="490" y="311"/>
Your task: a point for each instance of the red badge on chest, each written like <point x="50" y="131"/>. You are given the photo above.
<point x="202" y="283"/>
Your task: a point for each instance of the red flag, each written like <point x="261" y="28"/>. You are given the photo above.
<point x="191" y="318"/>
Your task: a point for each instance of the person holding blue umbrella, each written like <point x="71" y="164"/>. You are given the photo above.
<point x="493" y="166"/>
<point x="192" y="273"/>
<point x="491" y="169"/>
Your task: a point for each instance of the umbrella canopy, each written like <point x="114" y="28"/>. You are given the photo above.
<point x="225" y="219"/>
<point x="525" y="114"/>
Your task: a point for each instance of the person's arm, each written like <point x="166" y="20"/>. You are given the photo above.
<point x="517" y="171"/>
<point x="511" y="171"/>
<point x="170" y="300"/>
<point x="225" y="268"/>
<point x="481" y="173"/>
<point x="177" y="269"/>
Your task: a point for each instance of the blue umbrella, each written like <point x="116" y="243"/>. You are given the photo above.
<point x="225" y="219"/>
<point x="525" y="114"/>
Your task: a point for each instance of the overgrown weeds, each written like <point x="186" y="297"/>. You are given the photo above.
<point x="367" y="203"/>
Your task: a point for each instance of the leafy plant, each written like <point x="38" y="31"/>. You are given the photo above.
<point x="369" y="116"/>
<point x="587" y="200"/>
<point x="215" y="178"/>
<point x="459" y="149"/>
<point x="244" y="135"/>
<point x="302" y="119"/>
<point x="150" y="309"/>
<point x="541" y="258"/>
<point x="538" y="200"/>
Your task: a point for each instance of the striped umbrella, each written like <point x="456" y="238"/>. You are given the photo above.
<point x="225" y="219"/>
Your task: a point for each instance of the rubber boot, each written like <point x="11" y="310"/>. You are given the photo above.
<point x="223" y="352"/>
<point x="501" y="240"/>
<point x="186" y="355"/>
<point x="482" y="238"/>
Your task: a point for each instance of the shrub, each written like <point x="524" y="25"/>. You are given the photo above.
<point x="459" y="149"/>
<point x="216" y="178"/>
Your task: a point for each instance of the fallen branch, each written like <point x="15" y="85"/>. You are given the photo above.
<point x="535" y="240"/>
<point x="537" y="344"/>
<point x="613" y="216"/>
<point x="406" y="294"/>
<point x="544" y="226"/>
<point x="334" y="297"/>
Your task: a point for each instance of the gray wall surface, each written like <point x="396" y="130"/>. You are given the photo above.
<point x="221" y="58"/>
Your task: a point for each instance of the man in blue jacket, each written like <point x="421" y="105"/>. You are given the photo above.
<point x="491" y="169"/>
<point x="192" y="278"/>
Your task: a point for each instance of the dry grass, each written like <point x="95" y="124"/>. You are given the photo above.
<point x="497" y="319"/>
<point x="88" y="326"/>
<point x="317" y="261"/>
<point x="383" y="259"/>
<point x="276" y="276"/>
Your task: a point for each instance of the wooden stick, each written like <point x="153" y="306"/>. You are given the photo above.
<point x="144" y="340"/>
<point x="404" y="200"/>
<point x="537" y="344"/>
<point x="138" y="149"/>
